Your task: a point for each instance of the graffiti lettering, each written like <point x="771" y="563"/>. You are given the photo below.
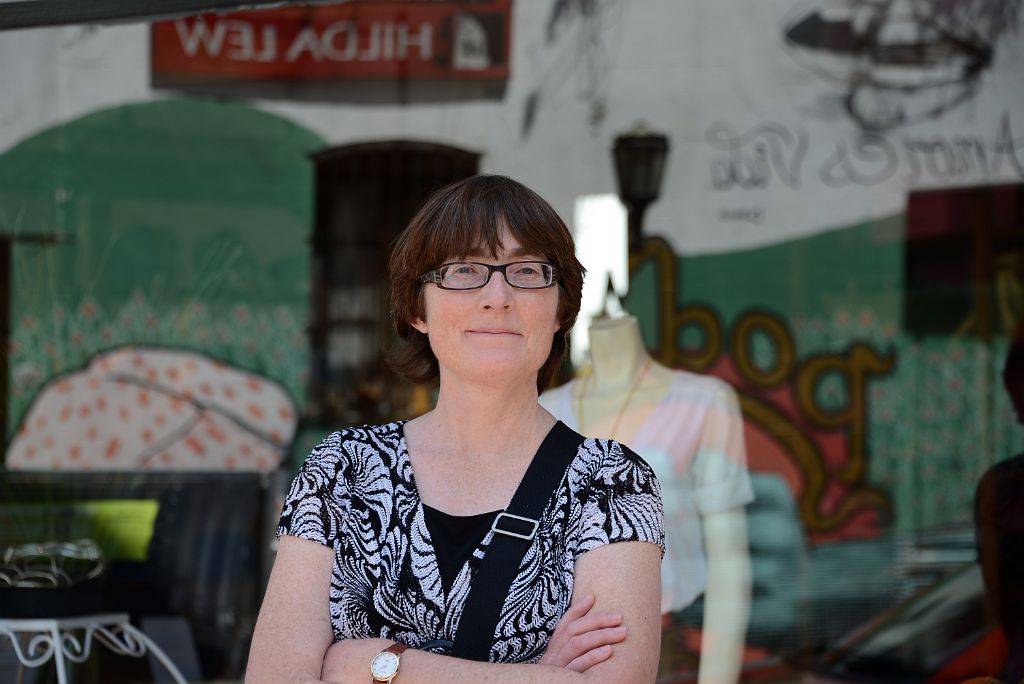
<point x="945" y="160"/>
<point x="869" y="160"/>
<point x="771" y="151"/>
<point x="859" y="362"/>
<point x="874" y="159"/>
<point x="752" y="215"/>
<point x="706" y="322"/>
<point x="753" y="159"/>
<point x="340" y="41"/>
<point x="856" y="365"/>
<point x="782" y="343"/>
<point x="1005" y="148"/>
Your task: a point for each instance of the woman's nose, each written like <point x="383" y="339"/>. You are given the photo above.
<point x="497" y="293"/>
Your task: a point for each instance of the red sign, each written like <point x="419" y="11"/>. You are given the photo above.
<point x="358" y="40"/>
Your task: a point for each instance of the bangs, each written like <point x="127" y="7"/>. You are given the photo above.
<point x="471" y="223"/>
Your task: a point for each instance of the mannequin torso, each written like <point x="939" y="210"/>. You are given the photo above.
<point x="624" y="385"/>
<point x="689" y="429"/>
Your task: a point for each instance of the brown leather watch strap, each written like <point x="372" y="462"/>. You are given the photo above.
<point x="396" y="650"/>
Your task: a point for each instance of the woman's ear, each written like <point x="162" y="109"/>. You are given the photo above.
<point x="419" y="324"/>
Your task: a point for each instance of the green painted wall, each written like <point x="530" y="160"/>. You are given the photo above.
<point x="839" y="272"/>
<point x="179" y="222"/>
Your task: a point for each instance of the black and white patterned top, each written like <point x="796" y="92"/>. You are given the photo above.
<point x="356" y="493"/>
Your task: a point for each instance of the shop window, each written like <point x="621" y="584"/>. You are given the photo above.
<point x="964" y="261"/>
<point x="5" y="331"/>
<point x="365" y="195"/>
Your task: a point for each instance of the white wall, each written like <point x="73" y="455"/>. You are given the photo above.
<point x="684" y="68"/>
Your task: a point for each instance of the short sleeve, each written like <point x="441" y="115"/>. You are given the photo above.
<point x="719" y="471"/>
<point x="317" y="503"/>
<point x="623" y="502"/>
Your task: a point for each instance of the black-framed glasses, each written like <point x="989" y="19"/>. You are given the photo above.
<point x="472" y="275"/>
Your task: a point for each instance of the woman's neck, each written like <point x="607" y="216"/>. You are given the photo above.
<point x="478" y="421"/>
<point x="617" y="353"/>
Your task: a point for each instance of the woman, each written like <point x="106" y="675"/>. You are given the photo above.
<point x="385" y="525"/>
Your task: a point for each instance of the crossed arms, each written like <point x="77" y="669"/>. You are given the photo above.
<point x="611" y="632"/>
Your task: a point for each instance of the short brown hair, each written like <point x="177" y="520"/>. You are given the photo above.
<point x="466" y="217"/>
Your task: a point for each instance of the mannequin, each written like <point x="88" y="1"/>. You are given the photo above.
<point x="689" y="428"/>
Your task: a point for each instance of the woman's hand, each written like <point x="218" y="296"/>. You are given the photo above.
<point x="581" y="639"/>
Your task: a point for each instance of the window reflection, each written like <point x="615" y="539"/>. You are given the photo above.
<point x="194" y="230"/>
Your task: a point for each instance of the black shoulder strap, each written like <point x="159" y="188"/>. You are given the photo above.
<point x="514" y="530"/>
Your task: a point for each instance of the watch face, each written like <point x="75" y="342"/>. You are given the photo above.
<point x="384" y="665"/>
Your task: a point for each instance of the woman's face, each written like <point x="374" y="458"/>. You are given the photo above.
<point x="497" y="333"/>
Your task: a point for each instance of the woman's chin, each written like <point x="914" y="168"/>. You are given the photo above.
<point x="497" y="369"/>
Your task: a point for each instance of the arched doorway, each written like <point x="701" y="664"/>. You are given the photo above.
<point x="365" y="195"/>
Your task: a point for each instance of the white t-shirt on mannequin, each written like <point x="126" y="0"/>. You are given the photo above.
<point x="694" y="441"/>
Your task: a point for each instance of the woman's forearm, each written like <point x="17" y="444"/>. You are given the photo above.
<point x="349" y="661"/>
<point x="429" y="668"/>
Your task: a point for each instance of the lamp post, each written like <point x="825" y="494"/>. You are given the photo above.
<point x="639" y="166"/>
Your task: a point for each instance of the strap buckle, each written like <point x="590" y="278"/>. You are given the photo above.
<point x="514" y="529"/>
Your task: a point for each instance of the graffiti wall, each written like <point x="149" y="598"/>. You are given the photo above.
<point x="796" y="264"/>
<point x="791" y="117"/>
<point x="868" y="424"/>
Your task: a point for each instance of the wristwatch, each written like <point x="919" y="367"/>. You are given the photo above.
<point x="384" y="666"/>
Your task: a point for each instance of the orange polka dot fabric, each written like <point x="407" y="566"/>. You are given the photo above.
<point x="156" y="409"/>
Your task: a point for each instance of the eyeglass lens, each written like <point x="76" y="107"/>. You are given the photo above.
<point x="525" y="274"/>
